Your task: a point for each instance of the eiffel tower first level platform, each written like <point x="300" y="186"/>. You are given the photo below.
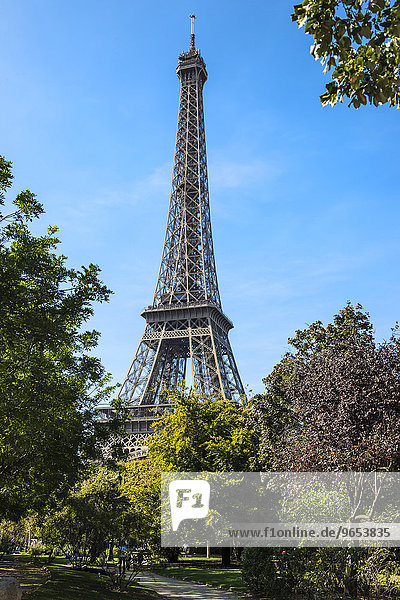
<point x="186" y="332"/>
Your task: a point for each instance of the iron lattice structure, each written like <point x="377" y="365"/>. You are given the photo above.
<point x="185" y="326"/>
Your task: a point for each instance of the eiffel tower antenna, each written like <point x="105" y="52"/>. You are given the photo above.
<point x="186" y="329"/>
<point x="192" y="45"/>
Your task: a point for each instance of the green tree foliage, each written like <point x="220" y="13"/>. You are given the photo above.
<point x="49" y="380"/>
<point x="201" y="434"/>
<point x="338" y="398"/>
<point x="93" y="515"/>
<point x="204" y="434"/>
<point x="141" y="486"/>
<point x="359" y="40"/>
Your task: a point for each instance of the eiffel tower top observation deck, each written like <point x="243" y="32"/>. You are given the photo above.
<point x="185" y="326"/>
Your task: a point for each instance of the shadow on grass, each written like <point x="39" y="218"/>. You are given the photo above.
<point x="68" y="584"/>
<point x="228" y="578"/>
<point x="28" y="574"/>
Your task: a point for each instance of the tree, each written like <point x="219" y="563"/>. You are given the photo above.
<point x="360" y="41"/>
<point x="94" y="517"/>
<point x="339" y="393"/>
<point x="49" y="380"/>
<point x="93" y="514"/>
<point x="141" y="486"/>
<point x="204" y="434"/>
<point x="337" y="400"/>
<point x="349" y="406"/>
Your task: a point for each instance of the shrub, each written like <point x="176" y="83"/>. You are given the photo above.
<point x="270" y="570"/>
<point x="329" y="572"/>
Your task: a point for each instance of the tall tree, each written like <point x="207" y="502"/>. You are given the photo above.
<point x="205" y="434"/>
<point x="336" y="398"/>
<point x="49" y="380"/>
<point x="359" y="40"/>
<point x="339" y="394"/>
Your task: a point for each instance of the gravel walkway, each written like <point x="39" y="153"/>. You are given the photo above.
<point x="175" y="588"/>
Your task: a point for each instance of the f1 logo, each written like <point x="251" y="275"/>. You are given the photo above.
<point x="189" y="499"/>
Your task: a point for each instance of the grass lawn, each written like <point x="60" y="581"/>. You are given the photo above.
<point x="211" y="574"/>
<point x="68" y="584"/>
<point x="202" y="559"/>
<point x="29" y="575"/>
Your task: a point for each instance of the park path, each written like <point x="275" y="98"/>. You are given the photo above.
<point x="178" y="589"/>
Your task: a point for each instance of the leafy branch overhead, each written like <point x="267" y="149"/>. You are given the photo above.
<point x="359" y="42"/>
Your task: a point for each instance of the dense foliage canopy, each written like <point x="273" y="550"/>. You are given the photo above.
<point x="49" y="380"/>
<point x="335" y="398"/>
<point x="204" y="434"/>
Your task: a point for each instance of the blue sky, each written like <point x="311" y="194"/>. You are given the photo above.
<point x="305" y="199"/>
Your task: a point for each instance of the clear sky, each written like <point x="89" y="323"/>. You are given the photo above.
<point x="304" y="199"/>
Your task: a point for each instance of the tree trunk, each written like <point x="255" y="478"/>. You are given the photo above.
<point x="172" y="554"/>
<point x="226" y="556"/>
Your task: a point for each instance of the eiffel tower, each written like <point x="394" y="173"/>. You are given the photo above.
<point x="185" y="326"/>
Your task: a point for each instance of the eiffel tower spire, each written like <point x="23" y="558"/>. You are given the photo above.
<point x="185" y="326"/>
<point x="192" y="44"/>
